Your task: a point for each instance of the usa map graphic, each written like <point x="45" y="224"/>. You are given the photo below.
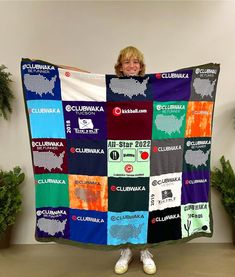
<point x="120" y="160"/>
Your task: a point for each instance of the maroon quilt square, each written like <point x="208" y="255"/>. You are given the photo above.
<point x="130" y="120"/>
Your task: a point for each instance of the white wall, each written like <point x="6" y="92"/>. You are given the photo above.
<point x="172" y="35"/>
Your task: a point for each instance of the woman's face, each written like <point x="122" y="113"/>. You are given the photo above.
<point x="130" y="67"/>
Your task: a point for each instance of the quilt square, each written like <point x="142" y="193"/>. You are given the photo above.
<point x="51" y="190"/>
<point x="169" y="119"/>
<point x="129" y="120"/>
<point x="88" y="193"/>
<point x="166" y="156"/>
<point x="195" y="218"/>
<point x="88" y="226"/>
<point x="46" y="119"/>
<point x="195" y="187"/>
<point x="199" y="119"/>
<point x="121" y="190"/>
<point x="129" y="158"/>
<point x="85" y="120"/>
<point x="84" y="154"/>
<point x="80" y="85"/>
<point x="49" y="156"/>
<point x="52" y="222"/>
<point x="40" y="81"/>
<point x="164" y="225"/>
<point x="171" y="86"/>
<point x="165" y="191"/>
<point x="127" y="227"/>
<point x="204" y="83"/>
<point x="197" y="154"/>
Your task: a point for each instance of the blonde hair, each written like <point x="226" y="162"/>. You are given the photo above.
<point x="127" y="53"/>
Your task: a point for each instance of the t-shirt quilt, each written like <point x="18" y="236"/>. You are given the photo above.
<point x="120" y="161"/>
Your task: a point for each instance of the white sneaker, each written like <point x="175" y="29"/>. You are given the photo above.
<point x="149" y="266"/>
<point x="122" y="264"/>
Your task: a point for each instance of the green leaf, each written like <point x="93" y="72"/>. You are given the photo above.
<point x="10" y="196"/>
<point x="224" y="181"/>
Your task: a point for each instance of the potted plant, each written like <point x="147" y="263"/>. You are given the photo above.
<point x="10" y="201"/>
<point x="6" y="94"/>
<point x="224" y="181"/>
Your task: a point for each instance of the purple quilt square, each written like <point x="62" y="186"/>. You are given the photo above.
<point x="171" y="86"/>
<point x="52" y="222"/>
<point x="195" y="186"/>
<point x="85" y="120"/>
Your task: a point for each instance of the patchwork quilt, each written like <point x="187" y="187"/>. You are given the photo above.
<point x="120" y="160"/>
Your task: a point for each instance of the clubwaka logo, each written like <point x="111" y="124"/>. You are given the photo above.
<point x="165" y="181"/>
<point x="70" y="108"/>
<point x="166" y="148"/>
<point x="87" y="219"/>
<point x="172" y="75"/>
<point x="198" y="143"/>
<point x="44" y="110"/>
<point x="38" y="66"/>
<point x="47" y="144"/>
<point x="117" y="111"/>
<point x="196" y="207"/>
<point x="127" y="217"/>
<point x="51" y="212"/>
<point x="165" y="218"/>
<point x="198" y="181"/>
<point x="50" y="181"/>
<point x="170" y="107"/>
<point x="128" y="188"/>
<point x="74" y="150"/>
<point x="205" y="71"/>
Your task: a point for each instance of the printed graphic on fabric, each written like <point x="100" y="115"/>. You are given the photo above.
<point x="46" y="119"/>
<point x="197" y="154"/>
<point x="199" y="119"/>
<point x="88" y="193"/>
<point x="169" y="119"/>
<point x="171" y="86"/>
<point x="49" y="156"/>
<point x="204" y="83"/>
<point x="128" y="158"/>
<point x="127" y="227"/>
<point x="166" y="156"/>
<point x="128" y="88"/>
<point x="121" y="190"/>
<point x="40" y="81"/>
<point x="83" y="86"/>
<point x="85" y="120"/>
<point x="164" y="225"/>
<point x="52" y="222"/>
<point x="195" y="219"/>
<point x="88" y="226"/>
<point x="165" y="191"/>
<point x="129" y="120"/>
<point x="84" y="154"/>
<point x="51" y="190"/>
<point x="195" y="186"/>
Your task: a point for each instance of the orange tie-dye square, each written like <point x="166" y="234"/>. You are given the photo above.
<point x="88" y="192"/>
<point x="199" y="119"/>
